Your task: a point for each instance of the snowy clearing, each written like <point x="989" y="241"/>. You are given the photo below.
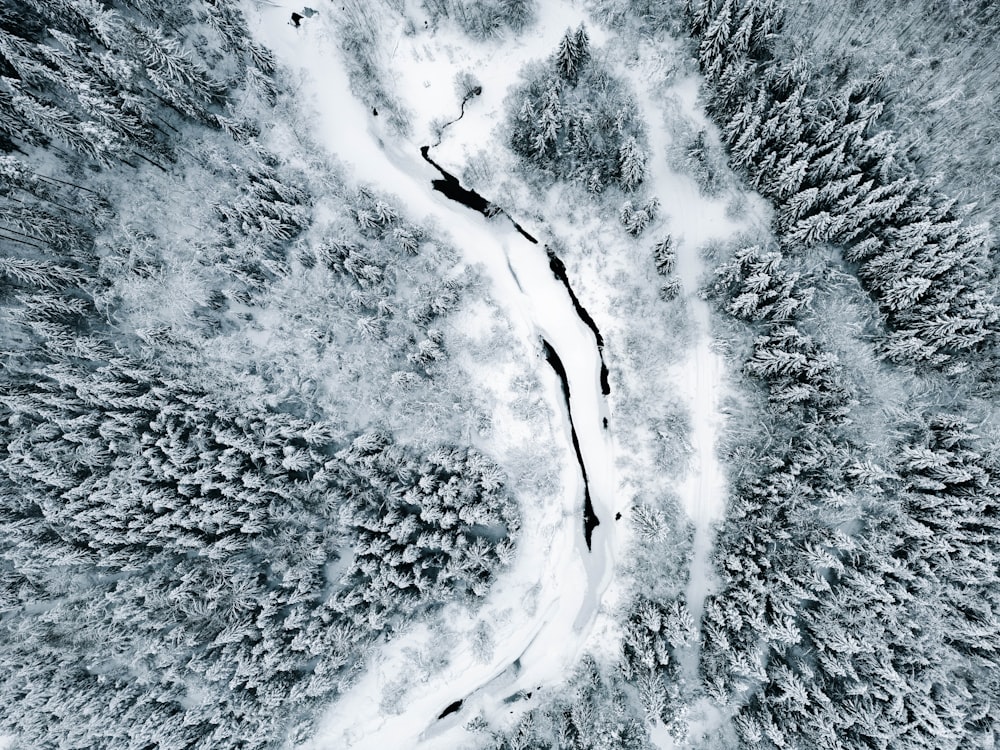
<point x="699" y="379"/>
<point x="694" y="220"/>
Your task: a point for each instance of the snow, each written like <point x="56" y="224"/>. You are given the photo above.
<point x="694" y="221"/>
<point x="699" y="379"/>
<point x="660" y="736"/>
<point x="424" y="67"/>
<point x="552" y="604"/>
<point x="542" y="610"/>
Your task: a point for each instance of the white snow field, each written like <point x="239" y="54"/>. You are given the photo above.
<point x="693" y="221"/>
<point x="546" y="610"/>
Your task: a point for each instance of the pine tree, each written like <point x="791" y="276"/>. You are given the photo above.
<point x="566" y="58"/>
<point x="714" y="48"/>
<point x="581" y="43"/>
<point x="632" y="164"/>
<point x="550" y="119"/>
<point x="572" y="54"/>
<point x="664" y="256"/>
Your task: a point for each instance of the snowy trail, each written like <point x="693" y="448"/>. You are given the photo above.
<point x="694" y="220"/>
<point x="535" y="646"/>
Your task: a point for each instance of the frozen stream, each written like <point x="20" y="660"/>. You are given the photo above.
<point x="535" y="648"/>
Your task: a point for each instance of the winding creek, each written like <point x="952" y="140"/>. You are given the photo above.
<point x="544" y="609"/>
<point x="477" y="91"/>
<point x="567" y="556"/>
<point x="559" y="270"/>
<point x="590" y="519"/>
<point x="450" y="187"/>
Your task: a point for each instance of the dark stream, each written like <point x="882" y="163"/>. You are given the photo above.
<point x="559" y="269"/>
<point x="590" y="519"/>
<point x="451" y="188"/>
<point x="465" y="100"/>
<point x="451" y="709"/>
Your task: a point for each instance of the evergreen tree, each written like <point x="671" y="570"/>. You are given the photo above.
<point x="581" y="44"/>
<point x="577" y="131"/>
<point x="837" y="179"/>
<point x="128" y="474"/>
<point x="572" y="54"/>
<point x="632" y="164"/>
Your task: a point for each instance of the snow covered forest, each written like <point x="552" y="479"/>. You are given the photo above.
<point x="499" y="375"/>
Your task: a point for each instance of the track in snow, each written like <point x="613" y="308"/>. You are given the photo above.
<point x="694" y="221"/>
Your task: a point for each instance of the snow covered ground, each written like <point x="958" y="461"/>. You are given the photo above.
<point x="540" y="612"/>
<point x="693" y="221"/>
<point x="425" y="66"/>
<point x="699" y="379"/>
<point x="537" y="619"/>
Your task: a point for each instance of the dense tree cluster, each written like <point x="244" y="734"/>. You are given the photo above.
<point x="651" y="638"/>
<point x="485" y="19"/>
<point x="182" y="571"/>
<point x="263" y="215"/>
<point x="937" y="70"/>
<point x="859" y="603"/>
<point x="426" y="529"/>
<point x="46" y="234"/>
<point x="836" y="177"/>
<point x="593" y="711"/>
<point x="189" y="571"/>
<point x="185" y="570"/>
<point x="803" y="381"/>
<point x="859" y="598"/>
<point x="575" y="121"/>
<point x="184" y="564"/>
<point x="105" y="82"/>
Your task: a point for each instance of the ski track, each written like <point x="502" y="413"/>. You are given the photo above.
<point x="547" y="638"/>
<point x="694" y="220"/>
